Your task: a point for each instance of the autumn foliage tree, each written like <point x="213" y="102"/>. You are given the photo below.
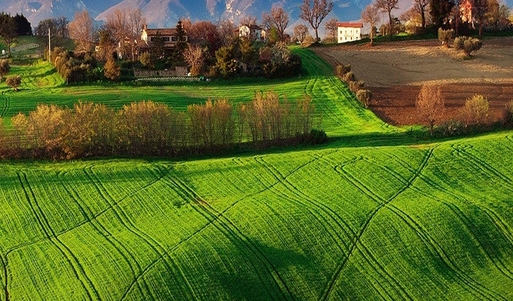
<point x="13" y="82"/>
<point x="277" y="19"/>
<point x="5" y="67"/>
<point x="81" y="31"/>
<point x="430" y="104"/>
<point x="370" y="15"/>
<point x="314" y="12"/>
<point x="111" y="69"/>
<point x="387" y="6"/>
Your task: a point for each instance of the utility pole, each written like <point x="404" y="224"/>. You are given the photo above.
<point x="49" y="45"/>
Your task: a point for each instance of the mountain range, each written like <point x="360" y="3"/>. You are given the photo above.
<point x="160" y="13"/>
<point x="165" y="13"/>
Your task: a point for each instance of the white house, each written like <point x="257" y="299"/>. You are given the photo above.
<point x="349" y="31"/>
<point x="252" y="32"/>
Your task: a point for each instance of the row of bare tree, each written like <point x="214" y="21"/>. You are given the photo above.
<point x="153" y="129"/>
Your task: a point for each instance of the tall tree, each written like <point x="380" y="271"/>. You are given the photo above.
<point x="387" y="6"/>
<point x="480" y="8"/>
<point x="181" y="43"/>
<point x="206" y="34"/>
<point x="23" y="27"/>
<point x="277" y="19"/>
<point x="195" y="58"/>
<point x="8" y="30"/>
<point x="331" y="27"/>
<point x="314" y="12"/>
<point x="226" y="29"/>
<point x="300" y="32"/>
<point x="124" y="26"/>
<point x="497" y="14"/>
<point x="370" y="15"/>
<point x="81" y="31"/>
<point x="420" y="6"/>
<point x="439" y="10"/>
<point x="430" y="104"/>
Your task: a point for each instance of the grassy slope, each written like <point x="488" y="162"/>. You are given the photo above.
<point x="379" y="220"/>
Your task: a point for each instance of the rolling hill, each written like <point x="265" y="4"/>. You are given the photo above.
<point x="374" y="214"/>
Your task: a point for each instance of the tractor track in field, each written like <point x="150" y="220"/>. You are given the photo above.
<point x="102" y="230"/>
<point x="480" y="164"/>
<point x="229" y="228"/>
<point x="76" y="266"/>
<point x="125" y="220"/>
<point x="5" y="272"/>
<point x="334" y="216"/>
<point x="171" y="184"/>
<point x="421" y="232"/>
<point x="501" y="267"/>
<point x="357" y="239"/>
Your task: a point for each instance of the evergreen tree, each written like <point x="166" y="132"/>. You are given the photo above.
<point x="23" y="27"/>
<point x="181" y="43"/>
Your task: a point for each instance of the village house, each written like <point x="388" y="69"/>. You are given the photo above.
<point x="349" y="31"/>
<point x="252" y="32"/>
<point x="149" y="35"/>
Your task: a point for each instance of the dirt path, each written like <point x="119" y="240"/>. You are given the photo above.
<point x="395" y="71"/>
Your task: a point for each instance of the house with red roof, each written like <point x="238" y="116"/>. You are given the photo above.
<point x="349" y="31"/>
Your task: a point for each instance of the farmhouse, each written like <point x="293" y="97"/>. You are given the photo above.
<point x="148" y="35"/>
<point x="252" y="32"/>
<point x="349" y="31"/>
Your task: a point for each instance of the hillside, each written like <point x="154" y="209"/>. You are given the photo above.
<point x="374" y="214"/>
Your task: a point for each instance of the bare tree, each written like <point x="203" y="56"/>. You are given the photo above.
<point x="205" y="33"/>
<point x="81" y="30"/>
<point x="226" y="29"/>
<point x="331" y="28"/>
<point x="314" y="12"/>
<point x="248" y="20"/>
<point x="430" y="104"/>
<point x="420" y="7"/>
<point x="387" y="6"/>
<point x="124" y="26"/>
<point x="371" y="15"/>
<point x="277" y="19"/>
<point x="300" y="32"/>
<point x="195" y="58"/>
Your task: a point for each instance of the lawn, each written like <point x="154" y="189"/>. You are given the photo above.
<point x="371" y="215"/>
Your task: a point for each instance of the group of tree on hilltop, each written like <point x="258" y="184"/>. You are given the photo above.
<point x="112" y="50"/>
<point x="463" y="16"/>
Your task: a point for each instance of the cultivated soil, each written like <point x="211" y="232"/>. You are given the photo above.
<point x="394" y="72"/>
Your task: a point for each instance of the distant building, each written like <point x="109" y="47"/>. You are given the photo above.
<point x="149" y="35"/>
<point x="349" y="31"/>
<point x="252" y="32"/>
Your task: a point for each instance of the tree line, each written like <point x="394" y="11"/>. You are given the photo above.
<point x="153" y="129"/>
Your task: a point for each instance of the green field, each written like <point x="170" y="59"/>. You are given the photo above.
<point x="371" y="215"/>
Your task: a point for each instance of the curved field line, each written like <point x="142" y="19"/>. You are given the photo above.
<point x="100" y="229"/>
<point x="469" y="225"/>
<point x="121" y="215"/>
<point x="93" y="217"/>
<point x="481" y="164"/>
<point x="442" y="254"/>
<point x="5" y="283"/>
<point x="76" y="266"/>
<point x="231" y="229"/>
<point x="309" y="201"/>
<point x="382" y="203"/>
<point x="210" y="222"/>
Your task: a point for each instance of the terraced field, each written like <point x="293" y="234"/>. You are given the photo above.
<point x="371" y="215"/>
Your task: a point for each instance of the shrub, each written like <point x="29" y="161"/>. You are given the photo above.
<point x="340" y="70"/>
<point x="451" y="128"/>
<point x="5" y="67"/>
<point x="349" y="77"/>
<point x="356" y="85"/>
<point x="467" y="44"/>
<point x="364" y="96"/>
<point x="508" y="113"/>
<point x="112" y="70"/>
<point x="13" y="82"/>
<point x="445" y="36"/>
<point x="476" y="109"/>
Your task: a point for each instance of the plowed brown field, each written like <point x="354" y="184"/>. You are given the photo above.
<point x="395" y="71"/>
